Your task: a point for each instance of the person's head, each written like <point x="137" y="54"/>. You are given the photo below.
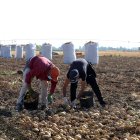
<point x="54" y="73"/>
<point x="73" y="76"/>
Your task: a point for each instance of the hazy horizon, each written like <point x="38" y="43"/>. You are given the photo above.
<point x="78" y="21"/>
<point x="77" y="43"/>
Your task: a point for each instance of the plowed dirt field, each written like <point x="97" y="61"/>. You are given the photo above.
<point x="119" y="81"/>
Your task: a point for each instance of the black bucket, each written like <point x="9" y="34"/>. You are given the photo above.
<point x="86" y="101"/>
<point x="31" y="100"/>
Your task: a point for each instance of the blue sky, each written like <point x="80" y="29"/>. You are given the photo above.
<point x="79" y="21"/>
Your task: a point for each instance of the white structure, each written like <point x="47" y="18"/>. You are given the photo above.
<point x="6" y="51"/>
<point x="46" y="50"/>
<point x="2" y="51"/>
<point x="91" y="52"/>
<point x="68" y="52"/>
<point x="19" y="52"/>
<point x="30" y="51"/>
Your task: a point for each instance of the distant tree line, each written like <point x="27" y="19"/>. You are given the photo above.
<point x="101" y="48"/>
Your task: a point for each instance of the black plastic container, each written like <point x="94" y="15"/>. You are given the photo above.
<point x="86" y="101"/>
<point x="31" y="100"/>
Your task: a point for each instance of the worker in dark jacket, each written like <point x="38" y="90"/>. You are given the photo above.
<point x="44" y="70"/>
<point x="81" y="69"/>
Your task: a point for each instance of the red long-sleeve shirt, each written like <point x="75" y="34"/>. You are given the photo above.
<point x="39" y="68"/>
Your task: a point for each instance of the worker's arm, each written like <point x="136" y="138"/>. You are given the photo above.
<point x="65" y="87"/>
<point x="83" y="85"/>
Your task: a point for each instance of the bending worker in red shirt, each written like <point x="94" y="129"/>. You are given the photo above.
<point x="43" y="69"/>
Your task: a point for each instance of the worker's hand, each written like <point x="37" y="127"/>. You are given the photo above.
<point x="66" y="102"/>
<point x="50" y="98"/>
<point x="74" y="103"/>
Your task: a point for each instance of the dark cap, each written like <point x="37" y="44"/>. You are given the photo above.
<point x="73" y="75"/>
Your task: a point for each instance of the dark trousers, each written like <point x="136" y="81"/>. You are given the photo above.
<point x="73" y="88"/>
<point x="91" y="80"/>
<point x="93" y="83"/>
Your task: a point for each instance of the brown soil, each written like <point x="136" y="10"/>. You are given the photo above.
<point x="119" y="81"/>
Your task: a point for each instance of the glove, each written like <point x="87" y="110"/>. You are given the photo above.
<point x="65" y="101"/>
<point x="50" y="98"/>
<point x="74" y="103"/>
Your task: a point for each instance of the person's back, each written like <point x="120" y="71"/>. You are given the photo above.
<point x="78" y="63"/>
<point x="81" y="65"/>
<point x="40" y="62"/>
<point x="81" y="69"/>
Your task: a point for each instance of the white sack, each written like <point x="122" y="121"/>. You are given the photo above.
<point x="30" y="51"/>
<point x="46" y="50"/>
<point x="91" y="52"/>
<point x="68" y="52"/>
